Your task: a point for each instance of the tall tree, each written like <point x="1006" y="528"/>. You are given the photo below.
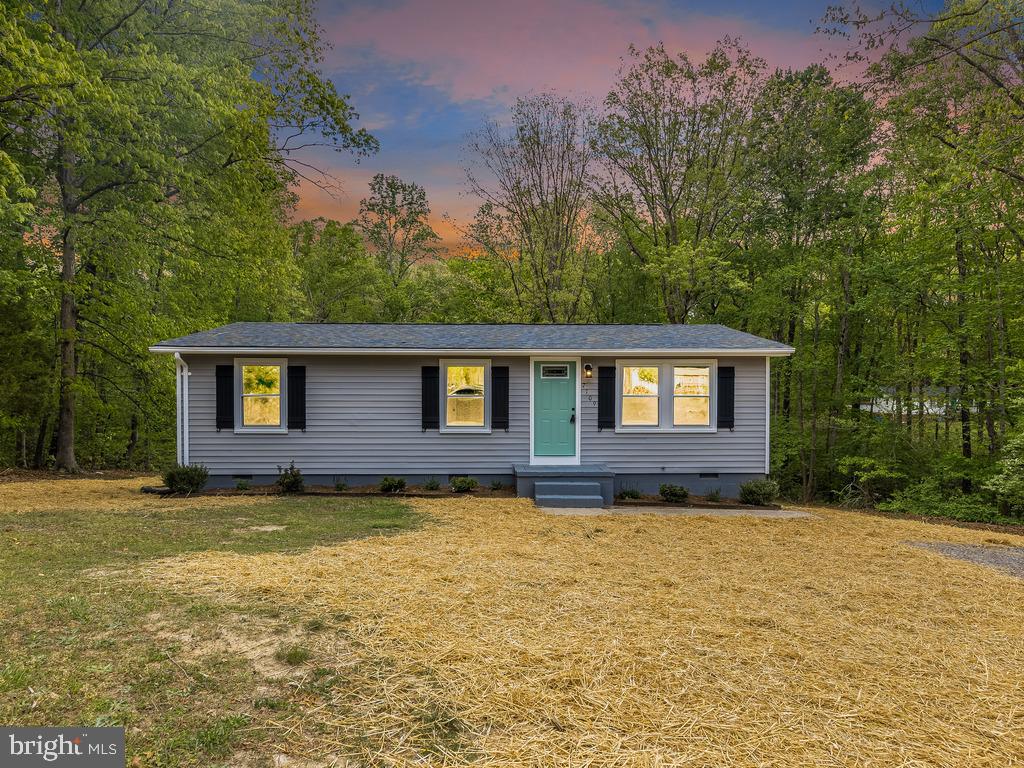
<point x="395" y="220"/>
<point x="158" y="110"/>
<point x="535" y="219"/>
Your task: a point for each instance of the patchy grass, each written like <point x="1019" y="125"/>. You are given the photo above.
<point x="84" y="639"/>
<point x="499" y="634"/>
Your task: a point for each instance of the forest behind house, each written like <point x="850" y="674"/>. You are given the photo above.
<point x="868" y="212"/>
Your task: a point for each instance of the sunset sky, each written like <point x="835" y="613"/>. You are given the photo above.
<point x="423" y="73"/>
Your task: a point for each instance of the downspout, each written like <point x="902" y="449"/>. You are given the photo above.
<point x="181" y="393"/>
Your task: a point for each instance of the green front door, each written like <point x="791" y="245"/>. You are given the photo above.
<point x="554" y="408"/>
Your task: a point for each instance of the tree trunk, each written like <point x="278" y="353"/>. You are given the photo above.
<point x="39" y="455"/>
<point x="965" y="358"/>
<point x="65" y="456"/>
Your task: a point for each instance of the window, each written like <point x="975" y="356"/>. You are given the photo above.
<point x="554" y="372"/>
<point x="261" y="389"/>
<point x="465" y="395"/>
<point x="691" y="396"/>
<point x="666" y="395"/>
<point x="640" y="396"/>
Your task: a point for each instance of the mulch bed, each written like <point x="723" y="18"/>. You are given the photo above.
<point x="361" y="491"/>
<point x="19" y="475"/>
<point x="693" y="502"/>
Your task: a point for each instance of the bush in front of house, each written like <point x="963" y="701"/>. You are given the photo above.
<point x="497" y="485"/>
<point x="629" y="493"/>
<point x="464" y="484"/>
<point x="673" y="493"/>
<point x="759" y="492"/>
<point x="186" y="478"/>
<point x="392" y="484"/>
<point x="432" y="484"/>
<point x="290" y="479"/>
<point x="242" y="485"/>
<point x="340" y="486"/>
<point x="715" y="494"/>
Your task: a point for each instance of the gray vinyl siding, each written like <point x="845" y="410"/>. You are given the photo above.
<point x="740" y="450"/>
<point x="363" y="418"/>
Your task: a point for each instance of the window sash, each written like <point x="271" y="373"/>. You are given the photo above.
<point x="452" y="403"/>
<point x="246" y="402"/>
<point x="667" y="400"/>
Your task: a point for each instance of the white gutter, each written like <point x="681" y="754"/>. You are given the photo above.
<point x="463" y="351"/>
<point x="181" y="396"/>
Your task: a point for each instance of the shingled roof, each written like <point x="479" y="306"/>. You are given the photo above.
<point x="439" y="337"/>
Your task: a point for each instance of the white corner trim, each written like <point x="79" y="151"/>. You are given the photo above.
<point x="181" y="398"/>
<point x="559" y="460"/>
<point x="767" y="413"/>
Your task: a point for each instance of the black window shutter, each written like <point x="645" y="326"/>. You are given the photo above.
<point x="499" y="397"/>
<point x="606" y="397"/>
<point x="726" y="397"/>
<point x="431" y="398"/>
<point x="296" y="397"/>
<point x="225" y="397"/>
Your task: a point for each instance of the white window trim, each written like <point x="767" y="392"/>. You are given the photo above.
<point x="241" y="428"/>
<point x="445" y="363"/>
<point x="666" y="398"/>
<point x="554" y="461"/>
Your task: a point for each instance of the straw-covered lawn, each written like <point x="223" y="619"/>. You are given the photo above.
<point x="504" y="636"/>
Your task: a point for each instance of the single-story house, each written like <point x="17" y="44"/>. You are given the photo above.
<point x="570" y="414"/>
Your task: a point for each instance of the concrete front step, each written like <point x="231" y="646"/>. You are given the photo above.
<point x="563" y="500"/>
<point x="566" y="487"/>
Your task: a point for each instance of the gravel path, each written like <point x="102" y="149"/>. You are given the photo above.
<point x="1008" y="559"/>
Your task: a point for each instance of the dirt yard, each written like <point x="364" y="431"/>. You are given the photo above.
<point x="483" y="631"/>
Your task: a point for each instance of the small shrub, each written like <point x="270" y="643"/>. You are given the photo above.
<point x="674" y="493"/>
<point x="293" y="655"/>
<point x="392" y="484"/>
<point x="871" y="480"/>
<point x="340" y="486"/>
<point x="432" y="484"/>
<point x="759" y="492"/>
<point x="930" y="497"/>
<point x="242" y="485"/>
<point x="464" y="484"/>
<point x="1008" y="483"/>
<point x="189" y="478"/>
<point x="290" y="480"/>
<point x="496" y="485"/>
<point x="715" y="494"/>
<point x="629" y="493"/>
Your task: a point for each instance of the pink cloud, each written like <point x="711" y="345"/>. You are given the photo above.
<point x="501" y="50"/>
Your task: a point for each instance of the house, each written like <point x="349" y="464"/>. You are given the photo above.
<point x="570" y="414"/>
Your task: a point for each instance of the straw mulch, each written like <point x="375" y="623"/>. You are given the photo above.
<point x="505" y="636"/>
<point x="121" y="495"/>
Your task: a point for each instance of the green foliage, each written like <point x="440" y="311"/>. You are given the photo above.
<point x="186" y="479"/>
<point x="930" y="498"/>
<point x="497" y="485"/>
<point x="673" y="493"/>
<point x="464" y="484"/>
<point x="629" y="493"/>
<point x="760" y="492"/>
<point x="392" y="485"/>
<point x="871" y="480"/>
<point x="289" y="479"/>
<point x="432" y="484"/>
<point x="715" y="494"/>
<point x="242" y="485"/>
<point x="1008" y="483"/>
<point x="340" y="486"/>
